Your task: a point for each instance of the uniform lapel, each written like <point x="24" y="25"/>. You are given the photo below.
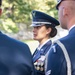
<point x="37" y="54"/>
<point x="45" y="48"/>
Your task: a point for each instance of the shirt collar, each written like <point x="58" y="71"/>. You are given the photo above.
<point x="39" y="47"/>
<point x="72" y="27"/>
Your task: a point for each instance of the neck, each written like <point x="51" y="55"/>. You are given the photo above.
<point x="71" y="23"/>
<point x="43" y="40"/>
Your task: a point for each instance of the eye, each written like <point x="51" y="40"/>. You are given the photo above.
<point x="38" y="27"/>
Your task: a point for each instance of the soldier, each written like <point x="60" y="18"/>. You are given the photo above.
<point x="61" y="57"/>
<point x="43" y="29"/>
<point x="15" y="57"/>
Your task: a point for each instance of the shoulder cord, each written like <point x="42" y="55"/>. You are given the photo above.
<point x="46" y="59"/>
<point x="66" y="57"/>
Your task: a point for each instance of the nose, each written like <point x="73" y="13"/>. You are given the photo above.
<point x="34" y="29"/>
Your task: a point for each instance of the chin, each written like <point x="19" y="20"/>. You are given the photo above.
<point x="34" y="38"/>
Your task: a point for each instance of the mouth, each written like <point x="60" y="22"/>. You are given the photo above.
<point x="35" y="35"/>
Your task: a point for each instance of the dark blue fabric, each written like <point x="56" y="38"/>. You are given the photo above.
<point x="38" y="16"/>
<point x="38" y="54"/>
<point x="15" y="57"/>
<point x="56" y="61"/>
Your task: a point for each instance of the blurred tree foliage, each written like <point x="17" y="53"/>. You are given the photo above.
<point x="19" y="11"/>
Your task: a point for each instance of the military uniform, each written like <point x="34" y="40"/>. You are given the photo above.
<point x="39" y="19"/>
<point x="15" y="57"/>
<point x="56" y="62"/>
<point x="61" y="57"/>
<point x="39" y="58"/>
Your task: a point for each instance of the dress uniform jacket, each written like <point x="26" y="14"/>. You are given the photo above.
<point x="56" y="63"/>
<point x="39" y="58"/>
<point x="15" y="57"/>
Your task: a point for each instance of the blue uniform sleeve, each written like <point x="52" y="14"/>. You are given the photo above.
<point x="55" y="62"/>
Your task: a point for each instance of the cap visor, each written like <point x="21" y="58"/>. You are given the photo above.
<point x="35" y="25"/>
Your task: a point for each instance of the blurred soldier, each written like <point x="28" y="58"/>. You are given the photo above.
<point x="15" y="57"/>
<point x="61" y="58"/>
<point x="43" y="29"/>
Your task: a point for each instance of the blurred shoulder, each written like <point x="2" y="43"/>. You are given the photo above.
<point x="11" y="41"/>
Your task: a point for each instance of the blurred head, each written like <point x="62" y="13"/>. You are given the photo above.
<point x="43" y="25"/>
<point x="66" y="13"/>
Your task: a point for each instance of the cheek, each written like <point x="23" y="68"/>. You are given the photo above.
<point x="43" y="33"/>
<point x="60" y="15"/>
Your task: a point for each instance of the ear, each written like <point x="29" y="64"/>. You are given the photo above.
<point x="65" y="11"/>
<point x="49" y="30"/>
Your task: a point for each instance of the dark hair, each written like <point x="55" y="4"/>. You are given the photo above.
<point x="53" y="31"/>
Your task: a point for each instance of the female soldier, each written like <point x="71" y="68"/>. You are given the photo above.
<point x="43" y="30"/>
